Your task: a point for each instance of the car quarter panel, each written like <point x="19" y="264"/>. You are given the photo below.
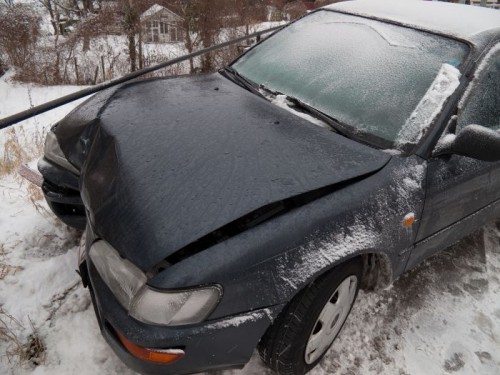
<point x="269" y="264"/>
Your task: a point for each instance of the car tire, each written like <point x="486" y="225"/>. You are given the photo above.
<point x="307" y="327"/>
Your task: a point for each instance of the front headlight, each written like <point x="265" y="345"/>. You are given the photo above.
<point x="54" y="153"/>
<point x="148" y="305"/>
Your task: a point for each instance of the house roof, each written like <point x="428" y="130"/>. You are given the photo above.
<point x="459" y="20"/>
<point x="154" y="9"/>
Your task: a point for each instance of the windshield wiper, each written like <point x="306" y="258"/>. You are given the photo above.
<point x="242" y="81"/>
<point x="335" y="124"/>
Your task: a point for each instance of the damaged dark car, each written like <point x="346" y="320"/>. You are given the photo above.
<point x="245" y="209"/>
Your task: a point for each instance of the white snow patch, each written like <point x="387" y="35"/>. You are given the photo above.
<point x="445" y="142"/>
<point x="456" y="19"/>
<point x="392" y="151"/>
<point x="241" y="319"/>
<point x="155" y="8"/>
<point x="408" y="181"/>
<point x="15" y="97"/>
<point x="282" y="102"/>
<point x="316" y="257"/>
<point x="410" y="215"/>
<point x="443" y="86"/>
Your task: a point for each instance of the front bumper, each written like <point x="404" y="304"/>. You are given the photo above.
<point x="60" y="188"/>
<point x="216" y="344"/>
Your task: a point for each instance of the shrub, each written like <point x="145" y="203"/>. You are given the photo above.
<point x="19" y="32"/>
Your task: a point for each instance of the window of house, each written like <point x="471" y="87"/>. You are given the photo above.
<point x="163" y="28"/>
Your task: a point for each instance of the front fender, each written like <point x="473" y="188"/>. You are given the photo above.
<point x="267" y="265"/>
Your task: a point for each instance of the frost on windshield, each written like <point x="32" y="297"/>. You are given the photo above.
<point x="444" y="85"/>
<point x="366" y="74"/>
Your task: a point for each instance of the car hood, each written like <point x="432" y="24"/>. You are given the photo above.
<point x="169" y="161"/>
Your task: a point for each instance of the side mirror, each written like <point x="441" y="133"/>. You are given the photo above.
<point x="475" y="141"/>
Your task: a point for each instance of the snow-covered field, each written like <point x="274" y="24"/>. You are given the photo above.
<point x="443" y="317"/>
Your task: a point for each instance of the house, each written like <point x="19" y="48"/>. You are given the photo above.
<point x="161" y="25"/>
<point x="486" y="3"/>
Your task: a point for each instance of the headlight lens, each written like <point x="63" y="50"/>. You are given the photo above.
<point x="122" y="277"/>
<point x="165" y="307"/>
<point x="54" y="153"/>
<point x="175" y="308"/>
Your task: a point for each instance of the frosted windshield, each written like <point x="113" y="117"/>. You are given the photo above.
<point x="367" y="74"/>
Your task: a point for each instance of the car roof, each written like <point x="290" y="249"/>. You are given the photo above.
<point x="472" y="23"/>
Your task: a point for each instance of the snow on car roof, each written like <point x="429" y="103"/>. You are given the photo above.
<point x="460" y="20"/>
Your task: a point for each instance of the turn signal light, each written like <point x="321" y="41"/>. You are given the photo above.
<point x="163" y="356"/>
<point x="409" y="220"/>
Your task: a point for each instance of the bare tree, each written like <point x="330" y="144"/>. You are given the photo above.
<point x="131" y="26"/>
<point x="53" y="10"/>
<point x="19" y="32"/>
<point x="2" y="67"/>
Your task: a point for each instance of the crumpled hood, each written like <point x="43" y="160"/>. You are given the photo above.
<point x="172" y="160"/>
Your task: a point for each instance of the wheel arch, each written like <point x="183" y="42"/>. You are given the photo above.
<point x="377" y="271"/>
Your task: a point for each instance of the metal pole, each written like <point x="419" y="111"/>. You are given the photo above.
<point x="18" y="117"/>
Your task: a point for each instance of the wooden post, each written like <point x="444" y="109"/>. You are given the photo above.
<point x="76" y="71"/>
<point x="96" y="74"/>
<point x="141" y="57"/>
<point x="102" y="67"/>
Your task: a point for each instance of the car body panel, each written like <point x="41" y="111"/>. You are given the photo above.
<point x="454" y="178"/>
<point x="174" y="160"/>
<point x="210" y="345"/>
<point x="61" y="191"/>
<point x="289" y="251"/>
<point x="462" y="192"/>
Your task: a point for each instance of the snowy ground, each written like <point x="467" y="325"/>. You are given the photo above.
<point x="443" y="317"/>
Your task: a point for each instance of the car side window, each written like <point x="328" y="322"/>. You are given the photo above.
<point x="482" y="104"/>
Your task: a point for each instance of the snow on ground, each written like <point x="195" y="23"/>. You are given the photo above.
<point x="443" y="317"/>
<point x="16" y="97"/>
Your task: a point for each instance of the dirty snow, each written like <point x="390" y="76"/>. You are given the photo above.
<point x="441" y="318"/>
<point x="443" y="86"/>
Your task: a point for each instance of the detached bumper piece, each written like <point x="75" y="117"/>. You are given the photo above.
<point x="60" y="188"/>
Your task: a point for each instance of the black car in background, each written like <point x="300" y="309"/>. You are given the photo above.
<point x="247" y="208"/>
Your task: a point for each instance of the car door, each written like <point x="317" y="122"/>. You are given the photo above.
<point x="463" y="193"/>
